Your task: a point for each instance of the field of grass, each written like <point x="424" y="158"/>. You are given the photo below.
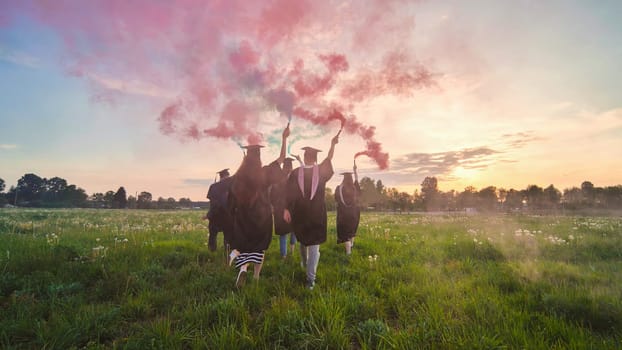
<point x="95" y="279"/>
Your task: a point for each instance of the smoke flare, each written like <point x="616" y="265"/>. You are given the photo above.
<point x="218" y="69"/>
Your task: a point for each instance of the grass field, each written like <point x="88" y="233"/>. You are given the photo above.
<point x="94" y="279"/>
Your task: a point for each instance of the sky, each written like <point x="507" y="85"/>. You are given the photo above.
<point x="158" y="96"/>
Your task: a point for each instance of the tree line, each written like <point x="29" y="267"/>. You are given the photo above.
<point x="375" y="196"/>
<point x="34" y="191"/>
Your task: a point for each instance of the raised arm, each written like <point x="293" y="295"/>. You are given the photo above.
<point x="356" y="175"/>
<point x="283" y="145"/>
<point x="298" y="159"/>
<point x="333" y="142"/>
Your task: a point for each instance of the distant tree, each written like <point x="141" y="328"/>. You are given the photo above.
<point x="417" y="200"/>
<point x="120" y="199"/>
<point x="131" y="202"/>
<point x="97" y="200"/>
<point x="144" y="200"/>
<point x="448" y="200"/>
<point x="552" y="197"/>
<point x="399" y="201"/>
<point x="29" y="190"/>
<point x="380" y="187"/>
<point x="163" y="203"/>
<point x="392" y="199"/>
<point x="502" y="195"/>
<point x="185" y="202"/>
<point x="3" y="197"/>
<point x="487" y="198"/>
<point x="75" y="196"/>
<point x="54" y="192"/>
<point x="171" y="203"/>
<point x="613" y="197"/>
<point x="572" y="198"/>
<point x="468" y="198"/>
<point x="587" y="189"/>
<point x="370" y="197"/>
<point x="513" y="200"/>
<point x="430" y="193"/>
<point x="109" y="199"/>
<point x="535" y="197"/>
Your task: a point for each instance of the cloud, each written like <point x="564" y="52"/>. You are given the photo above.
<point x="8" y="146"/>
<point x="443" y="163"/>
<point x="130" y="86"/>
<point x="19" y="58"/>
<point x="197" y="182"/>
<point x="520" y="139"/>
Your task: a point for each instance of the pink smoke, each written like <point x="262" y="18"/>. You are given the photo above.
<point x="217" y="69"/>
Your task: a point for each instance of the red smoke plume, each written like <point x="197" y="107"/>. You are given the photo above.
<point x="219" y="68"/>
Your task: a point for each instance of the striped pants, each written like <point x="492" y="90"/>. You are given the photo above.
<point x="245" y="258"/>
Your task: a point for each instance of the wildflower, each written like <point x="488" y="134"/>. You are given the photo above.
<point x="99" y="251"/>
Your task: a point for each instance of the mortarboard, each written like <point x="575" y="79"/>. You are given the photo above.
<point x="311" y="150"/>
<point x="252" y="149"/>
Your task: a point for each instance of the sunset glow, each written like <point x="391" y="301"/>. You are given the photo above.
<point x="158" y="96"/>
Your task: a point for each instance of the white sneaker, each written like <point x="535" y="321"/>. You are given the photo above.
<point x="239" y="282"/>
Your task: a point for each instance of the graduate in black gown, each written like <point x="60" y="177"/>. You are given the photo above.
<point x="218" y="216"/>
<point x="306" y="206"/>
<point x="277" y="198"/>
<point x="250" y="208"/>
<point x="348" y="211"/>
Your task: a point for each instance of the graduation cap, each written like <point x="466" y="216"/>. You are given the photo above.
<point x="223" y="173"/>
<point x="287" y="163"/>
<point x="253" y="150"/>
<point x="311" y="150"/>
<point x="310" y="153"/>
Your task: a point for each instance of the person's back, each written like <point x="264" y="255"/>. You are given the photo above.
<point x="218" y="216"/>
<point x="348" y="211"/>
<point x="306" y="206"/>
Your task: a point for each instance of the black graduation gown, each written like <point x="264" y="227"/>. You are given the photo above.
<point x="277" y="198"/>
<point x="252" y="222"/>
<point x="218" y="215"/>
<point x="348" y="213"/>
<point x="309" y="215"/>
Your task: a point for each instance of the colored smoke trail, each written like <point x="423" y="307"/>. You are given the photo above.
<point x="220" y="69"/>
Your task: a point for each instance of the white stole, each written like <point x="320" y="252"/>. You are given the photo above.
<point x="315" y="180"/>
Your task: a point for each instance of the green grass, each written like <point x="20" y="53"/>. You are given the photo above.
<point x="89" y="279"/>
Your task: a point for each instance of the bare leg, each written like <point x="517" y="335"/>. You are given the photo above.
<point x="234" y="253"/>
<point x="257" y="270"/>
<point x="348" y="245"/>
